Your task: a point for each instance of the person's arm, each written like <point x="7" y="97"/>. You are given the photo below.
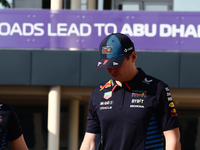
<point x="88" y="142"/>
<point x="18" y="144"/>
<point x="172" y="138"/>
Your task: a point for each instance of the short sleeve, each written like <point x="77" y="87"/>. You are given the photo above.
<point x="167" y="111"/>
<point x="14" y="128"/>
<point x="93" y="125"/>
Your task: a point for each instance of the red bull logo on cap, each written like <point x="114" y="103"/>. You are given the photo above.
<point x="107" y="50"/>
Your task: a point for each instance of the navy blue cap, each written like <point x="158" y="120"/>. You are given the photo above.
<point x="113" y="49"/>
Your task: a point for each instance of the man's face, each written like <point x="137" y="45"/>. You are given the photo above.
<point x="124" y="72"/>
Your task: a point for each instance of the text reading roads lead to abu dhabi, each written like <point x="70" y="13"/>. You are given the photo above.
<point x="76" y="29"/>
<point x="84" y="29"/>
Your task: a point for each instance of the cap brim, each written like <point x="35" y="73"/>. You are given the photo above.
<point x="110" y="63"/>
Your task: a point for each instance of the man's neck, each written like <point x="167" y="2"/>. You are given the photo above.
<point x="119" y="83"/>
<point x="134" y="74"/>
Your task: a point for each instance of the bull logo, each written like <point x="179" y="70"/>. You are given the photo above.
<point x="108" y="84"/>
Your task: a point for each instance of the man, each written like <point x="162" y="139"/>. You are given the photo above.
<point x="10" y="129"/>
<point x="131" y="111"/>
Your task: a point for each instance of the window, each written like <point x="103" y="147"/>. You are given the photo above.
<point x="131" y="7"/>
<point x="157" y="6"/>
<point x="147" y="5"/>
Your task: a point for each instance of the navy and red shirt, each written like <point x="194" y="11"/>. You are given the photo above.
<point x="10" y="128"/>
<point x="134" y="116"/>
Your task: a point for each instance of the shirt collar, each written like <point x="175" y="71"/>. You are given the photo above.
<point x="133" y="82"/>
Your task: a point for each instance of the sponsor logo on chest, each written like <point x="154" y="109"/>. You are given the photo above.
<point x="138" y="94"/>
<point x="106" y="104"/>
<point x="107" y="95"/>
<point x="107" y="85"/>
<point x="137" y="100"/>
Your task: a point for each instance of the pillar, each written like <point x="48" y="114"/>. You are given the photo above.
<point x="54" y="118"/>
<point x="73" y="125"/>
<point x="75" y="4"/>
<point x="91" y="4"/>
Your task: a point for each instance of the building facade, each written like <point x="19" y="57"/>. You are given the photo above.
<point x="54" y="85"/>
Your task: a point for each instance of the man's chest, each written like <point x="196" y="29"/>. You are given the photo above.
<point x="128" y="106"/>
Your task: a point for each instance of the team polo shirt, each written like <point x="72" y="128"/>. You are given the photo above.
<point x="9" y="125"/>
<point x="134" y="116"/>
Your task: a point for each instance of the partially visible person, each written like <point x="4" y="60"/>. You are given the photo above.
<point x="10" y="129"/>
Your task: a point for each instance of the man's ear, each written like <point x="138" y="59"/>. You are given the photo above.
<point x="133" y="56"/>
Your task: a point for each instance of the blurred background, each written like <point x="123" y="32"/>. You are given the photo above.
<point x="29" y="77"/>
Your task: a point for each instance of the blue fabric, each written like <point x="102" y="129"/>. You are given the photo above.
<point x="116" y="46"/>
